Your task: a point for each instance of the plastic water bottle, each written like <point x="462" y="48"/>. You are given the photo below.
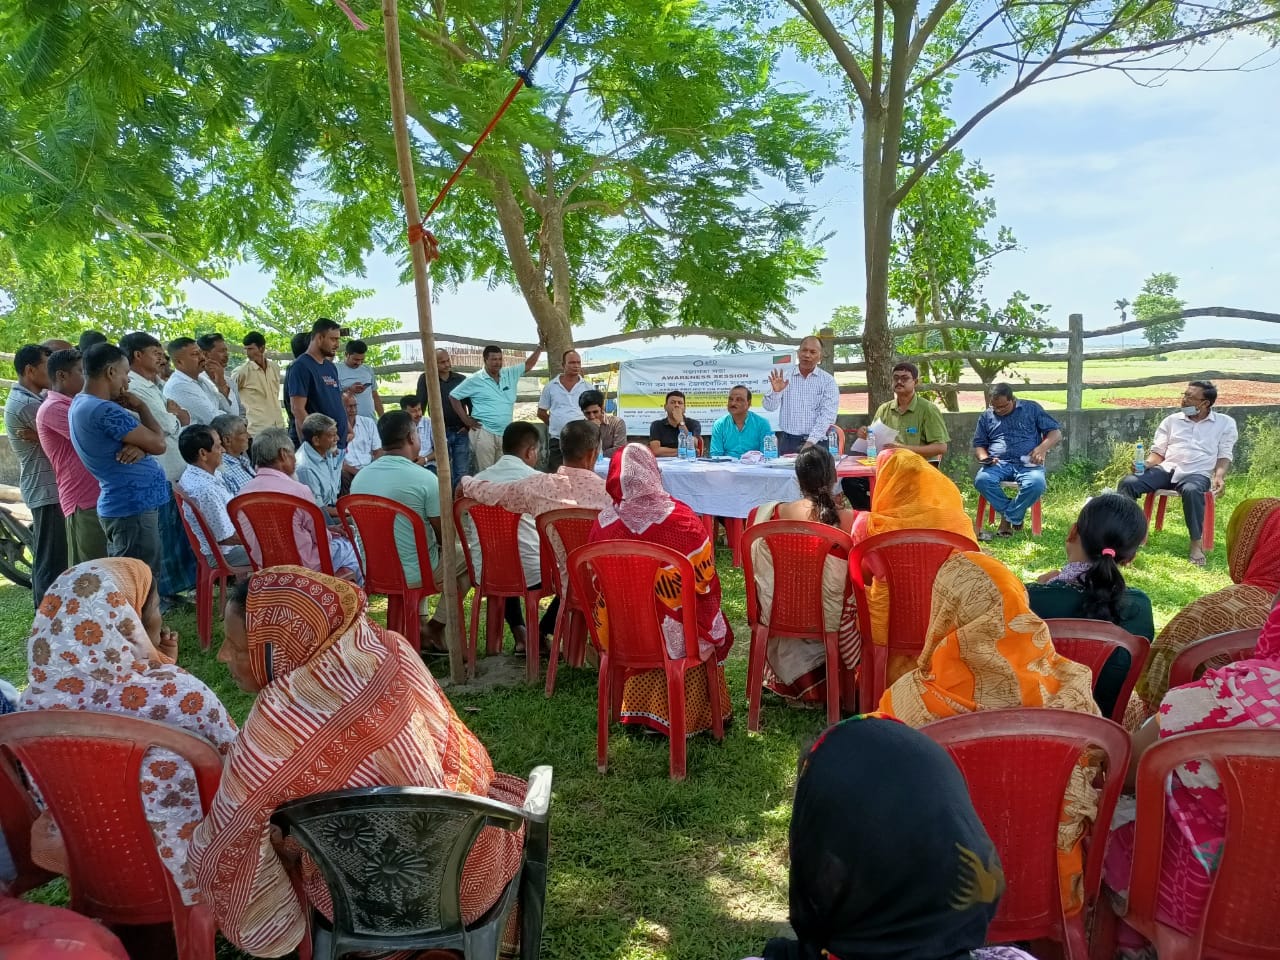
<point x="1139" y="459"/>
<point x="833" y="443"/>
<point x="871" y="443"/>
<point x="769" y="447"/>
<point x="684" y="445"/>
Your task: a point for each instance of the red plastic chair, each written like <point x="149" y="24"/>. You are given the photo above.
<point x="501" y="576"/>
<point x="113" y="870"/>
<point x="623" y="574"/>
<point x="265" y="524"/>
<point x="907" y="562"/>
<point x="1232" y="645"/>
<point x="18" y="811"/>
<point x="1164" y="495"/>
<point x="372" y="520"/>
<point x="207" y="574"/>
<point x="567" y="528"/>
<point x="1091" y="642"/>
<point x="1240" y="921"/>
<point x="984" y="507"/>
<point x="1017" y="764"/>
<point x="800" y="549"/>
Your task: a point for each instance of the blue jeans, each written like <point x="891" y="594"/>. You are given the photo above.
<point x="459" y="455"/>
<point x="1031" y="484"/>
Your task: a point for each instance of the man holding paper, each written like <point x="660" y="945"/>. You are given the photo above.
<point x="1010" y="442"/>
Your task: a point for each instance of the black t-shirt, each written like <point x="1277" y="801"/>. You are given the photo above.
<point x="451" y="419"/>
<point x="669" y="436"/>
<point x="318" y="382"/>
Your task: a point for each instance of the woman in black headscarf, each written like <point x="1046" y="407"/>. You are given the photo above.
<point x="888" y="859"/>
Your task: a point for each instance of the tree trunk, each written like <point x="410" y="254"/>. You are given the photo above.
<point x="877" y="342"/>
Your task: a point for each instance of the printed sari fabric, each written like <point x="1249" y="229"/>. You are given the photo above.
<point x="88" y="650"/>
<point x="1245" y="694"/>
<point x="797" y="669"/>
<point x="343" y="704"/>
<point x="986" y="650"/>
<point x="1253" y="558"/>
<point x="910" y="494"/>
<point x="642" y="510"/>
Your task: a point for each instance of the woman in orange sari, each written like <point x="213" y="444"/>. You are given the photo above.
<point x="986" y="650"/>
<point x="910" y="494"/>
<point x="341" y="703"/>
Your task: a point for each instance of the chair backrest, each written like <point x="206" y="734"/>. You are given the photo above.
<point x="371" y="524"/>
<point x="1230" y="646"/>
<point x="799" y="549"/>
<point x="415" y="842"/>
<point x="566" y="529"/>
<point x="265" y="523"/>
<point x="498" y="531"/>
<point x="86" y="765"/>
<point x="18" y="811"/>
<point x="625" y="575"/>
<point x="1017" y="764"/>
<point x="187" y="509"/>
<point x="1091" y="642"/>
<point x="1240" y="919"/>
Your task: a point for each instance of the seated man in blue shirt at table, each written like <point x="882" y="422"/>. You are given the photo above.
<point x="1010" y="442"/>
<point x="740" y="430"/>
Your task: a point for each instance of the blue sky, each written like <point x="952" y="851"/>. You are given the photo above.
<point x="1103" y="182"/>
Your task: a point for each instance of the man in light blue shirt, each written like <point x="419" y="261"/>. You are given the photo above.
<point x="740" y="430"/>
<point x="492" y="392"/>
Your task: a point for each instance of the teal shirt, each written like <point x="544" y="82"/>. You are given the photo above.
<point x="493" y="404"/>
<point x="403" y="481"/>
<point x="728" y="441"/>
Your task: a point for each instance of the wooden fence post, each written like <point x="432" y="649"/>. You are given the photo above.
<point x="828" y="362"/>
<point x="1075" y="362"/>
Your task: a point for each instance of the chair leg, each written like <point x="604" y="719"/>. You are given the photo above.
<point x="532" y="637"/>
<point x="1036" y="516"/>
<point x="832" y="643"/>
<point x="604" y="690"/>
<point x="1147" y="504"/>
<point x="755" y="675"/>
<point x="1208" y="522"/>
<point x="493" y="641"/>
<point x="1164" y="502"/>
<point x="474" y="639"/>
<point x="733" y="530"/>
<point x="982" y="509"/>
<point x="715" y="675"/>
<point x="553" y="656"/>
<point x="204" y="611"/>
<point x="676" y="721"/>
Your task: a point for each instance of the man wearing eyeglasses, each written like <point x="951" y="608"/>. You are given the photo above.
<point x="1011" y="441"/>
<point x="1191" y="453"/>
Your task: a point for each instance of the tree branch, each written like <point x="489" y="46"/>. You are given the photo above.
<point x="817" y="17"/>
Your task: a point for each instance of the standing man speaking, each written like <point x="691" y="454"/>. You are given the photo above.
<point x="807" y="398"/>
<point x="492" y="391"/>
<point x="558" y="404"/>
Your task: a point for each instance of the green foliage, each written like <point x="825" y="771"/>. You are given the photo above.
<point x="1157" y="300"/>
<point x="846" y="321"/>
<point x="1109" y="475"/>
<point x="1263" y="437"/>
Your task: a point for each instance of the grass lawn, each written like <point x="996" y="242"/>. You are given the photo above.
<point x="642" y="867"/>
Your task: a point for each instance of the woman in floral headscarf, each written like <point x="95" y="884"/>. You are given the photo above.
<point x="341" y="703"/>
<point x="97" y="643"/>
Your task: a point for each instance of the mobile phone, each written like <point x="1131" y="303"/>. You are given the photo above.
<point x="988" y="462"/>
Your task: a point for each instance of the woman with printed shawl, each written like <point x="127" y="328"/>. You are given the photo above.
<point x="341" y="703"/>
<point x="97" y="643"/>
<point x="642" y="510"/>
<point x="986" y="650"/>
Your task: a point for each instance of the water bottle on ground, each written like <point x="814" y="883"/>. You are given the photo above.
<point x="833" y="443"/>
<point x="871" y="443"/>
<point x="770" y="447"/>
<point x="1139" y="459"/>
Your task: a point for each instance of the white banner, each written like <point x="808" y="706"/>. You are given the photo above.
<point x="705" y="381"/>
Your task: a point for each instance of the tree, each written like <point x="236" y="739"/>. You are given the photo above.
<point x="1156" y="300"/>
<point x="888" y="53"/>
<point x="846" y="321"/>
<point x="628" y="178"/>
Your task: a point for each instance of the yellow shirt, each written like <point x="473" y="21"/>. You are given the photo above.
<point x="260" y="395"/>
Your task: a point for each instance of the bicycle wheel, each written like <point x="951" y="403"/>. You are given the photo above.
<point x="15" y="549"/>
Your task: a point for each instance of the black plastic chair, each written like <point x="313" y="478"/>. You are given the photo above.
<point x="392" y="858"/>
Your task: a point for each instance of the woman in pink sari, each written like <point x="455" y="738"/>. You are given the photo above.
<point x="1245" y="694"/>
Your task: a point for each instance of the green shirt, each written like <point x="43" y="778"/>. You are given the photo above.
<point x="919" y="426"/>
<point x="493" y="403"/>
<point x="400" y="479"/>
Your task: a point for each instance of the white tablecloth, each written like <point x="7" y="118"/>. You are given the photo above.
<point x="723" y="489"/>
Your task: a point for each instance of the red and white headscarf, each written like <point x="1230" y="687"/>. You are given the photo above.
<point x="635" y="486"/>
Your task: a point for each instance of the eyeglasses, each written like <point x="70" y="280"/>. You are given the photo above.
<point x="903" y="378"/>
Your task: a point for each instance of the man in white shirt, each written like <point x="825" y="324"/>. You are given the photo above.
<point x="199" y="397"/>
<point x="559" y="404"/>
<point x="1191" y="453"/>
<point x="202" y="451"/>
<point x="363" y="443"/>
<point x="144" y="354"/>
<point x="807" y="398"/>
<point x="216" y="355"/>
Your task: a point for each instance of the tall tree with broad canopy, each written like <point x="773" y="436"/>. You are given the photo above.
<point x="888" y="53"/>
<point x="630" y="177"/>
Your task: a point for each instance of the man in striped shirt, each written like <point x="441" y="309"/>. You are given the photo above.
<point x="807" y="399"/>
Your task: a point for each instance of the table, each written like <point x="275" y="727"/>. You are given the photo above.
<point x="733" y="489"/>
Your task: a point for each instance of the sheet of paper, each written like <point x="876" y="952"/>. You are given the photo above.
<point x="884" y="434"/>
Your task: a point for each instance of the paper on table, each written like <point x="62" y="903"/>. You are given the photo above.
<point x="884" y="434"/>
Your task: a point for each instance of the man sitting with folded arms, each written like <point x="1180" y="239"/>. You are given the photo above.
<point x="613" y="430"/>
<point x="411" y="405"/>
<point x="740" y="430"/>
<point x="574" y="484"/>
<point x="1010" y="442"/>
<point x="664" y="434"/>
<point x="201" y="448"/>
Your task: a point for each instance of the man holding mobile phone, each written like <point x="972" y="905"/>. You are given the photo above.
<point x="1011" y="441"/>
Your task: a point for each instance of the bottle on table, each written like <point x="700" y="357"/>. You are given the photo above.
<point x="1139" y="459"/>
<point x="684" y="445"/>
<point x="833" y="443"/>
<point x="769" y="447"/>
<point x="871" y="443"/>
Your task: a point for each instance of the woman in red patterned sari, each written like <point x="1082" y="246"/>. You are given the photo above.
<point x="342" y="703"/>
<point x="643" y="510"/>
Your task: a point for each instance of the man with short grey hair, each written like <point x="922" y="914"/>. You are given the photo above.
<point x="806" y="397"/>
<point x="237" y="468"/>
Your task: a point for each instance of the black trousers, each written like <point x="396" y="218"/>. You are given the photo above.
<point x="513" y="613"/>
<point x="1191" y="489"/>
<point x="554" y="457"/>
<point x="49" y="553"/>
